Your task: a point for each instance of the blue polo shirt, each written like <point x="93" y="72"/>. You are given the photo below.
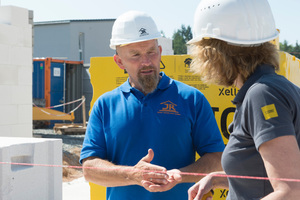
<point x="175" y="121"/>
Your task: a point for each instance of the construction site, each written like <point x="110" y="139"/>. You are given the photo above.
<point x="50" y="88"/>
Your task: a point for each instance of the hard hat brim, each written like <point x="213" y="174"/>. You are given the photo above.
<point x="233" y="41"/>
<point x="115" y="43"/>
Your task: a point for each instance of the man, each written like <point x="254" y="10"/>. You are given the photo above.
<point x="150" y="113"/>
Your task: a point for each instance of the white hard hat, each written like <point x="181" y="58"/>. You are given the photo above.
<point x="131" y="27"/>
<point x="239" y="22"/>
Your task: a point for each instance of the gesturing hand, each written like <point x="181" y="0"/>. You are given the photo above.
<point x="145" y="171"/>
<point x="174" y="177"/>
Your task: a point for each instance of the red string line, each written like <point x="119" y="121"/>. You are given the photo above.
<point x="149" y="171"/>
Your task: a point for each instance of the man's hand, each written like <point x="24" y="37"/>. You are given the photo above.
<point x="174" y="178"/>
<point x="145" y="171"/>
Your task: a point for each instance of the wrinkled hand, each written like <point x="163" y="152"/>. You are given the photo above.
<point x="174" y="177"/>
<point x="201" y="189"/>
<point x="145" y="171"/>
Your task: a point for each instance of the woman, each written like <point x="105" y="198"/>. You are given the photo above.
<point x="265" y="132"/>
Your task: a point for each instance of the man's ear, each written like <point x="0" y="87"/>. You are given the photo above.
<point x="118" y="61"/>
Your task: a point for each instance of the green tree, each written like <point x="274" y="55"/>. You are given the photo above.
<point x="163" y="33"/>
<point x="180" y="38"/>
<point x="285" y="46"/>
<point x="296" y="50"/>
<point x="297" y="47"/>
<point x="293" y="50"/>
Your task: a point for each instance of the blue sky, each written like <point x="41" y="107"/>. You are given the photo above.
<point x="168" y="14"/>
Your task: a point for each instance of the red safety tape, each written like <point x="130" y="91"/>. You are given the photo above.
<point x="61" y="104"/>
<point x="40" y="108"/>
<point x="182" y="173"/>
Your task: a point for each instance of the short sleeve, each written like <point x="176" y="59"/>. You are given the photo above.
<point x="94" y="141"/>
<point x="206" y="135"/>
<point x="268" y="114"/>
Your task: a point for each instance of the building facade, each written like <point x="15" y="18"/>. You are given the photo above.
<point x="79" y="40"/>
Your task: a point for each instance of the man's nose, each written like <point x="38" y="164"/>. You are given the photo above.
<point x="145" y="59"/>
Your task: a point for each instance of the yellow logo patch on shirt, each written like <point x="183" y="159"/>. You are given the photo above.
<point x="269" y="111"/>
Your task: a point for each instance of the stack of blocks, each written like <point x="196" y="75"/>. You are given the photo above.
<point x="40" y="178"/>
<point x="29" y="181"/>
<point x="15" y="72"/>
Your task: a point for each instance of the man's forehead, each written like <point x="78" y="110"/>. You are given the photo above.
<point x="139" y="46"/>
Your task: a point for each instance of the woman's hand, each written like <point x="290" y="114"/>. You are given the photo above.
<point x="201" y="188"/>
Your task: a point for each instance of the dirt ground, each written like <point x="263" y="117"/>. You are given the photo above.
<point x="72" y="145"/>
<point x="71" y="158"/>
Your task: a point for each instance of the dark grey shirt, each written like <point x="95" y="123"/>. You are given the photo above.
<point x="267" y="107"/>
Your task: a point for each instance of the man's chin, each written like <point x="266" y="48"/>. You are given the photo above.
<point x="148" y="83"/>
<point x="149" y="88"/>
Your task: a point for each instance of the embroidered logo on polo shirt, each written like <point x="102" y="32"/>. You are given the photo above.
<point x="168" y="108"/>
<point x="269" y="111"/>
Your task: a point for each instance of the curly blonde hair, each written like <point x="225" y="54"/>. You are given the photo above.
<point x="220" y="63"/>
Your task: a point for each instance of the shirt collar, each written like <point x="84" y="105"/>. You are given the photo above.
<point x="259" y="72"/>
<point x="164" y="83"/>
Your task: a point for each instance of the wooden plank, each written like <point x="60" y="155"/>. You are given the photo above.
<point x="50" y="114"/>
<point x="69" y="129"/>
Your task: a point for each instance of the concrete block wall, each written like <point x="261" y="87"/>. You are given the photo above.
<point x="28" y="182"/>
<point x="15" y="72"/>
<point x="167" y="46"/>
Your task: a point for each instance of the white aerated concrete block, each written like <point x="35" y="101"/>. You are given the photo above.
<point x="24" y="114"/>
<point x="22" y="94"/>
<point x="8" y="75"/>
<point x="7" y="98"/>
<point x="13" y="15"/>
<point x="5" y="130"/>
<point x="26" y="37"/>
<point x="10" y="34"/>
<point x="15" y="72"/>
<point x="4" y="55"/>
<point x="28" y="182"/>
<point x="20" y="55"/>
<point x="25" y="75"/>
<point x="8" y="115"/>
<point x="17" y="36"/>
<point x="20" y="130"/>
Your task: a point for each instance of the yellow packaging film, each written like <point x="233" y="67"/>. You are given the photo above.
<point x="106" y="75"/>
